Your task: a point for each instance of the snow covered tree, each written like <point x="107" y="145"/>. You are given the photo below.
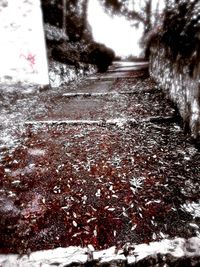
<point x="137" y="11"/>
<point x="77" y="26"/>
<point x="181" y="27"/>
<point x="78" y="46"/>
<point x="71" y="15"/>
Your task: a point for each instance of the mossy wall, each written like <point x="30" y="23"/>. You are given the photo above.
<point x="183" y="89"/>
<point x="175" y="61"/>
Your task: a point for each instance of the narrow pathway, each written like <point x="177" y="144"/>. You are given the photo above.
<point x="101" y="163"/>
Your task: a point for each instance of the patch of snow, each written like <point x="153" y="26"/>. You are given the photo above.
<point x="108" y="255"/>
<point x="60" y="255"/>
<point x="174" y="247"/>
<point x="177" y="247"/>
<point x="120" y="122"/>
<point x="193" y="208"/>
<point x="8" y="138"/>
<point x="91" y="248"/>
<point x="36" y="152"/>
<point x="60" y="74"/>
<point x="54" y="33"/>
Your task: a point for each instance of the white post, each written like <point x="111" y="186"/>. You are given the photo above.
<point x="23" y="55"/>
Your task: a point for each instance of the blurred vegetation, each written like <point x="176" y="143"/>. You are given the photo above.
<point x="78" y="46"/>
<point x="181" y="28"/>
<point x="178" y="27"/>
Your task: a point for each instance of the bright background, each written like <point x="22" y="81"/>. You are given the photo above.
<point x="116" y="32"/>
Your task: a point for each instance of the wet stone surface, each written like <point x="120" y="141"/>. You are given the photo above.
<point x="100" y="107"/>
<point x="99" y="184"/>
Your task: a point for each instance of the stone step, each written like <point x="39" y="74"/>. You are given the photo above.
<point x="109" y="93"/>
<point x="118" y="121"/>
<point x="175" y="251"/>
<point x="105" y="107"/>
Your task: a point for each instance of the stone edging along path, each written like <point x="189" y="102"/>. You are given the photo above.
<point x="167" y="251"/>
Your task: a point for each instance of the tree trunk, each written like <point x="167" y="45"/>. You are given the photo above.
<point x="64" y="26"/>
<point x="76" y="19"/>
<point x="148" y="22"/>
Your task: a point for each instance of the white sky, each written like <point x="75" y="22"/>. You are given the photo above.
<point x="115" y="32"/>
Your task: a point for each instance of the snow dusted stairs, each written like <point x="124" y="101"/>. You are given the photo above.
<point x="102" y="102"/>
<point x="103" y="164"/>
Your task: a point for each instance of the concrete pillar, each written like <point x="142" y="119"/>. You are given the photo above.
<point x="22" y="44"/>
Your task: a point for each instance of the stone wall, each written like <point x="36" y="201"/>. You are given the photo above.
<point x="175" y="59"/>
<point x="181" y="81"/>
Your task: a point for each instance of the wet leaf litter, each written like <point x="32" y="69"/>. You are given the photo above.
<point x="103" y="184"/>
